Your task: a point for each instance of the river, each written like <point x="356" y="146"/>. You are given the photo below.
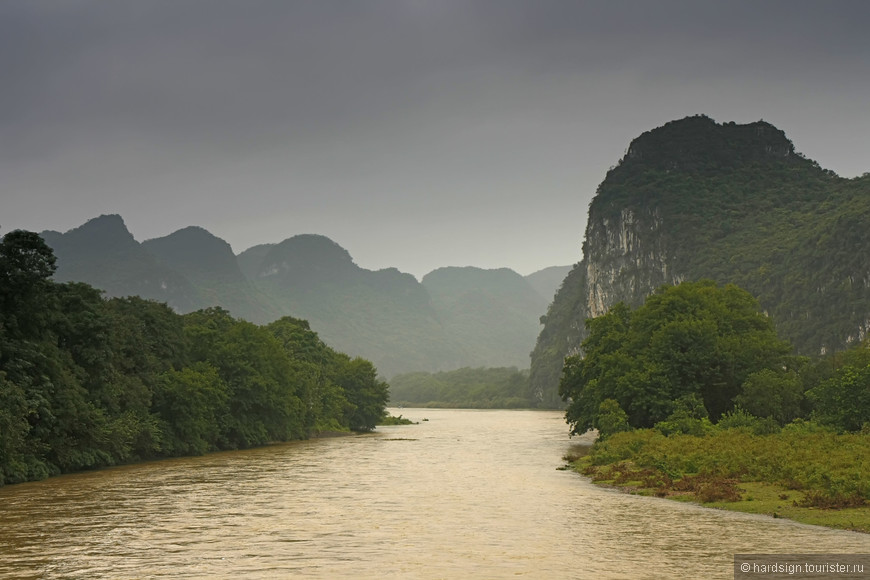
<point x="464" y="494"/>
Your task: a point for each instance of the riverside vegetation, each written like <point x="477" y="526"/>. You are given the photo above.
<point x="87" y="382"/>
<point x="801" y="472"/>
<point x="465" y="388"/>
<point x="695" y="397"/>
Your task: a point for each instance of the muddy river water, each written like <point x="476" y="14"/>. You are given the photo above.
<point x="464" y="494"/>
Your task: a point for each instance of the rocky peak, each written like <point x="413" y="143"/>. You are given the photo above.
<point x="196" y="252"/>
<point x="103" y="234"/>
<point x="307" y="256"/>
<point x="700" y="143"/>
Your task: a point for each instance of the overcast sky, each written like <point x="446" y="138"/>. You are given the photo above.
<point x="415" y="133"/>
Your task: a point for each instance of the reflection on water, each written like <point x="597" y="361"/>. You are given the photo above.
<point x="465" y="494"/>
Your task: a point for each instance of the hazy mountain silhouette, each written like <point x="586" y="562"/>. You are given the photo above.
<point x="458" y="317"/>
<point x="547" y="281"/>
<point x="210" y="266"/>
<point x="493" y="312"/>
<point x="103" y="253"/>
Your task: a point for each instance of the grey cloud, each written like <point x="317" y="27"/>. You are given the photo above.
<point x="305" y="114"/>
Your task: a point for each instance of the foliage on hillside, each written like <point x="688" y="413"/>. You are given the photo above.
<point x="384" y="316"/>
<point x="208" y="263"/>
<point x="547" y="282"/>
<point x="467" y="388"/>
<point x="735" y="204"/>
<point x="455" y="317"/>
<point x="563" y="327"/>
<point x="103" y="254"/>
<point x="87" y="382"/>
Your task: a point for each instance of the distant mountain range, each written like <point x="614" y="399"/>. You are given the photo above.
<point x="453" y="318"/>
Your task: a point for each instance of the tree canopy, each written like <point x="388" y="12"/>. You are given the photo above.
<point x="87" y="382"/>
<point x="696" y="339"/>
<point x="488" y="388"/>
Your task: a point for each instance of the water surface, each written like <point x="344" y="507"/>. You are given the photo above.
<point x="466" y="494"/>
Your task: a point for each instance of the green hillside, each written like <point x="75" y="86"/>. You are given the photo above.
<point x="494" y="313"/>
<point x="209" y="264"/>
<point x="734" y="203"/>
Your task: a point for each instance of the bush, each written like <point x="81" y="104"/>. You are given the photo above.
<point x="738" y="419"/>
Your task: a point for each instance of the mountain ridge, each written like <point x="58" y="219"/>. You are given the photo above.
<point x="386" y="316"/>
<point x="91" y="252"/>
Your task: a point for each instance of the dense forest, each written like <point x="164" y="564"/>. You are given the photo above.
<point x="87" y="382"/>
<point x="737" y="204"/>
<point x="466" y="388"/>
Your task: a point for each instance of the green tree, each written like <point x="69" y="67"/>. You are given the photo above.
<point x="689" y="417"/>
<point x="262" y="385"/>
<point x="366" y="394"/>
<point x="14" y="431"/>
<point x="26" y="267"/>
<point x="87" y="382"/>
<point x="44" y="385"/>
<point x="773" y="393"/>
<point x="843" y="402"/>
<point x="694" y="339"/>
<point x="315" y="364"/>
<point x="611" y="419"/>
<point x="480" y="388"/>
<point x="191" y="404"/>
<point x="147" y="341"/>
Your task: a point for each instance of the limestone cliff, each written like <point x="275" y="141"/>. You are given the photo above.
<point x="696" y="199"/>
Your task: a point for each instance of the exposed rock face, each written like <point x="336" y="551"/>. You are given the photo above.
<point x="626" y="258"/>
<point x="695" y="199"/>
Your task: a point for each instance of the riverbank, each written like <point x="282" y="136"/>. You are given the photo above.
<point x="818" y="478"/>
<point x="389" y="419"/>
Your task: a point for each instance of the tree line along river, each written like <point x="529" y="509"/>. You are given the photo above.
<point x="465" y="494"/>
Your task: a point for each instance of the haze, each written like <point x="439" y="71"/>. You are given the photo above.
<point x="416" y="134"/>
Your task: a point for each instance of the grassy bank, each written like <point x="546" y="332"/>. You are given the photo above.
<point x="800" y="473"/>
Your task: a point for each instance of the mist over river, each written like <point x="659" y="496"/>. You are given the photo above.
<point x="466" y="494"/>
